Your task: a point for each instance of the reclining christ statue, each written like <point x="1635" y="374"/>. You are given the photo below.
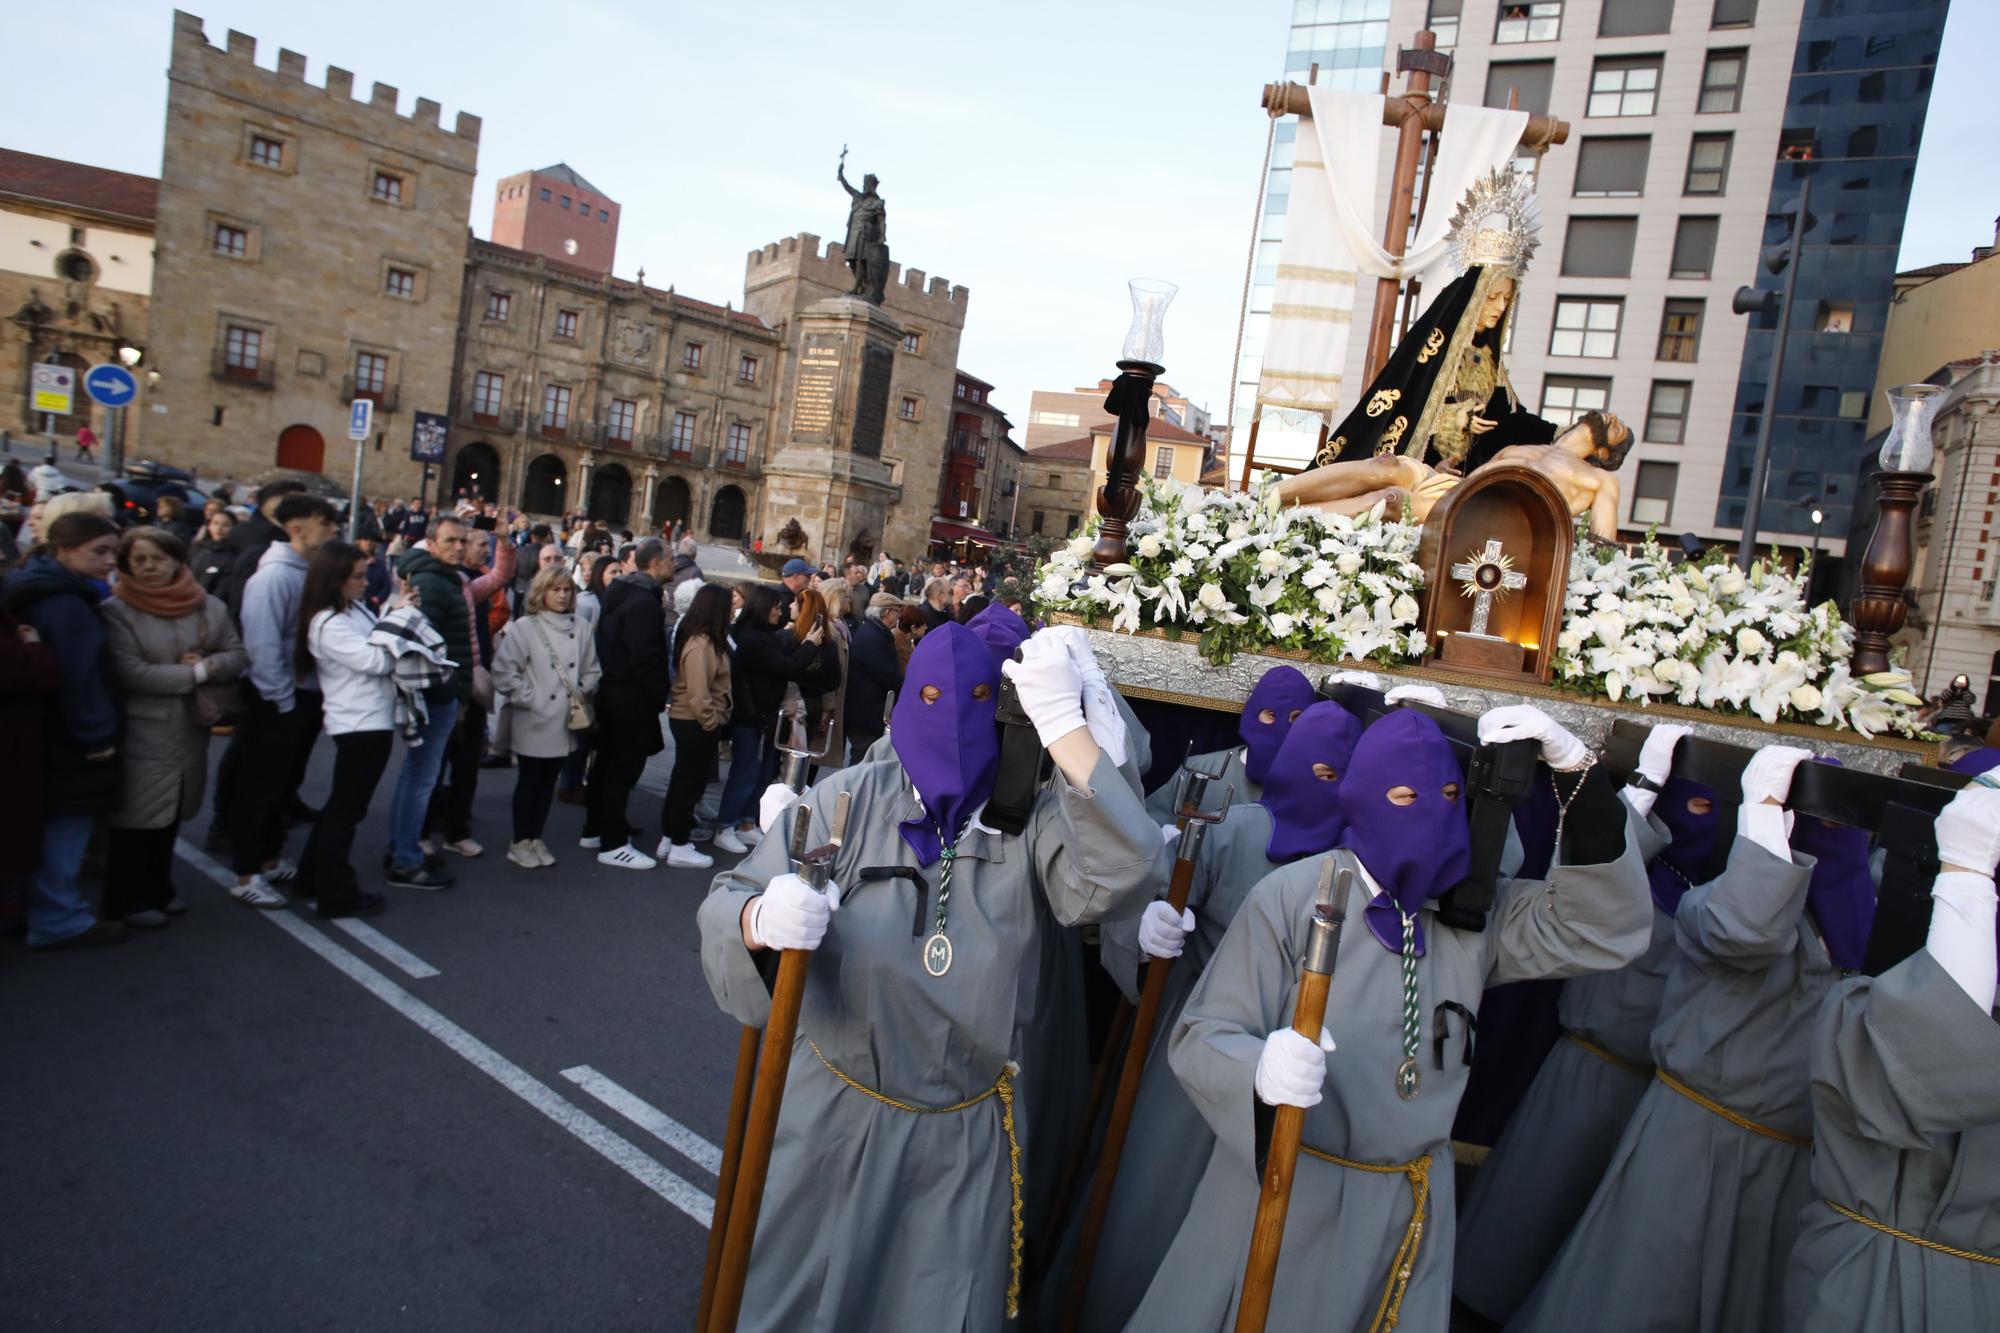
<point x="1442" y="405"/>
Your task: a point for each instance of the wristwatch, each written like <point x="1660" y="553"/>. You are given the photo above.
<point x="1642" y="781"/>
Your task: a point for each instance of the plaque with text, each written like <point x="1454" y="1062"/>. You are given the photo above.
<point x="871" y="403"/>
<point x="818" y="390"/>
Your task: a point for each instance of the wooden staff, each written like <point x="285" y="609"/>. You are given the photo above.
<point x="732" y="1154"/>
<point x="1315" y="976"/>
<point x="1194" y="824"/>
<point x="773" y="1062"/>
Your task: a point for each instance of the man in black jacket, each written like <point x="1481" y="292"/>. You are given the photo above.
<point x="874" y="672"/>
<point x="631" y="695"/>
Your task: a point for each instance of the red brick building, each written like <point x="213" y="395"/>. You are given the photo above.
<point x="559" y="215"/>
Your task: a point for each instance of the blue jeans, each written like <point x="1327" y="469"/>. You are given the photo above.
<point x="415" y="782"/>
<point x="753" y="762"/>
<point x="56" y="909"/>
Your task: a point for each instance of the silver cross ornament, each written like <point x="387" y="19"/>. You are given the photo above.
<point x="1484" y="575"/>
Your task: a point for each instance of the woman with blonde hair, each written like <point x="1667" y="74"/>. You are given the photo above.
<point x="546" y="665"/>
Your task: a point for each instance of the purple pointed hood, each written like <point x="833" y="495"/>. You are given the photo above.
<point x="944" y="734"/>
<point x="1285" y="691"/>
<point x="1974" y="762"/>
<point x="1304" y="807"/>
<point x="1687" y="857"/>
<point x="1414" y="851"/>
<point x="1841" y="896"/>
<point x="1001" y="630"/>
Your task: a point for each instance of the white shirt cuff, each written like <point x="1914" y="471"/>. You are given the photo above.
<point x="1961" y="933"/>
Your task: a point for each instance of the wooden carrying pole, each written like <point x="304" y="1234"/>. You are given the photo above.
<point x="1288" y="1126"/>
<point x="773" y="1062"/>
<point x="1194" y="824"/>
<point x="732" y="1156"/>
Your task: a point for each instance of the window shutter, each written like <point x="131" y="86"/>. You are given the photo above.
<point x="1599" y="247"/>
<point x="1613" y="166"/>
<point x="1530" y="79"/>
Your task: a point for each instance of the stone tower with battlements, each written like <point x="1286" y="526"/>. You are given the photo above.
<point x="311" y="250"/>
<point x="781" y="282"/>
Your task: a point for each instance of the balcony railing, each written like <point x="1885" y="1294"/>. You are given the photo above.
<point x="665" y="446"/>
<point x="543" y="428"/>
<point x="385" y="397"/>
<point x="749" y="467"/>
<point x="505" y="422"/>
<point x="256" y="376"/>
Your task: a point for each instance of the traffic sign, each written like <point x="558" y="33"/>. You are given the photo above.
<point x="110" y="385"/>
<point x="55" y="388"/>
<point x="360" y="418"/>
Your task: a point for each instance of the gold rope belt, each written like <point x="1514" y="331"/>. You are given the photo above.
<point x="1418" y="1172"/>
<point x="1615" y="1061"/>
<point x="1888" y="1230"/>
<point x="1003" y="1088"/>
<point x="1740" y="1121"/>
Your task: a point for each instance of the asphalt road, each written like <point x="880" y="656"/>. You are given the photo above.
<point x="259" y="1120"/>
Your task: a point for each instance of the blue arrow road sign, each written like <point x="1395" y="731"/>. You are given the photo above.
<point x="110" y="385"/>
<point x="360" y="418"/>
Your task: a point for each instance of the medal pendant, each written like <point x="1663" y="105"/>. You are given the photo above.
<point x="937" y="954"/>
<point x="1408" y="1077"/>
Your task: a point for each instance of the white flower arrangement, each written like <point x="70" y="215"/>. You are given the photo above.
<point x="1639" y="626"/>
<point x="1247" y="574"/>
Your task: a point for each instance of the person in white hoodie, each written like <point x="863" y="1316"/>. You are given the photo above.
<point x="360" y="707"/>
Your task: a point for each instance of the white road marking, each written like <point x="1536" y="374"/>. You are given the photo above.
<point x="388" y="948"/>
<point x="649" y="1118"/>
<point x="615" y="1149"/>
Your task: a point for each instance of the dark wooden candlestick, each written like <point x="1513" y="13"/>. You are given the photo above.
<point x="1878" y="609"/>
<point x="1118" y="498"/>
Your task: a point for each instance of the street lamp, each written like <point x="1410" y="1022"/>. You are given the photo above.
<point x="1781" y="258"/>
<point x="130" y="355"/>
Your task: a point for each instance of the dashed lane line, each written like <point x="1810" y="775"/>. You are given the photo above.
<point x="649" y="1118"/>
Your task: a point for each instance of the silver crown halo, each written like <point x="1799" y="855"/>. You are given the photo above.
<point x="1506" y="197"/>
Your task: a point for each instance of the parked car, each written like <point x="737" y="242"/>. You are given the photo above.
<point x="136" y="495"/>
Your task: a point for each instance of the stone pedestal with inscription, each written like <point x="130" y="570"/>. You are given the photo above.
<point x="827" y="469"/>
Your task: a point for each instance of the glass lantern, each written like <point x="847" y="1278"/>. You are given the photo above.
<point x="1911" y="410"/>
<point x="1146" y="339"/>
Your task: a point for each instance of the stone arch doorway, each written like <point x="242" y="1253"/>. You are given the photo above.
<point x="476" y="472"/>
<point x="302" y="448"/>
<point x="611" y="495"/>
<point x="543" y="484"/>
<point x="673" y="503"/>
<point x="725" y="515"/>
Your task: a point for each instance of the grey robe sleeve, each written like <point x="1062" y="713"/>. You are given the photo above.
<point x="1581" y="919"/>
<point x="1749" y="915"/>
<point x="1239" y="1001"/>
<point x="1119" y="953"/>
<point x="1904" y="1056"/>
<point x="1097" y="855"/>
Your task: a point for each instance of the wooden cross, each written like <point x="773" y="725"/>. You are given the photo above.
<point x="1485" y="577"/>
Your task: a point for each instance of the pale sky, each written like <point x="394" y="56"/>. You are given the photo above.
<point x="1038" y="153"/>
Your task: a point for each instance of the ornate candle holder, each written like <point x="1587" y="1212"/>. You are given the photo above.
<point x="1878" y="610"/>
<point x="1130" y="401"/>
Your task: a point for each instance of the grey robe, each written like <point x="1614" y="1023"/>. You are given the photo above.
<point x="1906" y="1131"/>
<point x="1160" y="805"/>
<point x="1693" y="1220"/>
<point x="875" y="1217"/>
<point x="1345" y="1226"/>
<point x="1539" y="1177"/>
<point x="1167" y="1145"/>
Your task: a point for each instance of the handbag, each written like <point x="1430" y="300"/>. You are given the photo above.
<point x="581" y="716"/>
<point x="482" y="688"/>
<point x="216" y="704"/>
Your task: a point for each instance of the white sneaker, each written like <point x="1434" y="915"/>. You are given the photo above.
<point x="627" y="857"/>
<point x="284" y="872"/>
<point x="590" y="844"/>
<point x="752" y="836"/>
<point x="522" y="854"/>
<point x="257" y="892"/>
<point x="684" y="855"/>
<point x="726" y="840"/>
<point x="542" y="853"/>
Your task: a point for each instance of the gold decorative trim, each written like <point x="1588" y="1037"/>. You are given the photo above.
<point x="1312" y="314"/>
<point x="1432" y="345"/>
<point x="1382" y="400"/>
<point x="1314" y="273"/>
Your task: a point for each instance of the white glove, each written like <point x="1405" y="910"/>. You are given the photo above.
<point x="1367" y="680"/>
<point x="1961" y="931"/>
<point x="1100" y="710"/>
<point x="1292" y="1068"/>
<point x="1968" y="830"/>
<point x="1162" y="934"/>
<point x="1524" y="722"/>
<point x="1769" y="774"/>
<point x="1656" y="762"/>
<point x="791" y="914"/>
<point x="1423" y="694"/>
<point x="1048" y="683"/>
<point x="777" y="799"/>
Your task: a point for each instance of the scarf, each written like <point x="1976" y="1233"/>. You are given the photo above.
<point x="1305" y="807"/>
<point x="181" y="597"/>
<point x="949" y="744"/>
<point x="1415" y="851"/>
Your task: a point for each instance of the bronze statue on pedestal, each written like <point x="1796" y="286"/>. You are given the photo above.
<point x="867" y="243"/>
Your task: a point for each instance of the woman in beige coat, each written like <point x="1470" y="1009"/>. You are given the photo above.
<point x="168" y="641"/>
<point x="698" y="716"/>
<point x="545" y="657"/>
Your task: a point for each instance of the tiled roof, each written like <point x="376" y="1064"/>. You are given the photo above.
<point x="1932" y="270"/>
<point x="1069" y="451"/>
<point x="563" y="171"/>
<point x="51" y="180"/>
<point x="1162" y="429"/>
